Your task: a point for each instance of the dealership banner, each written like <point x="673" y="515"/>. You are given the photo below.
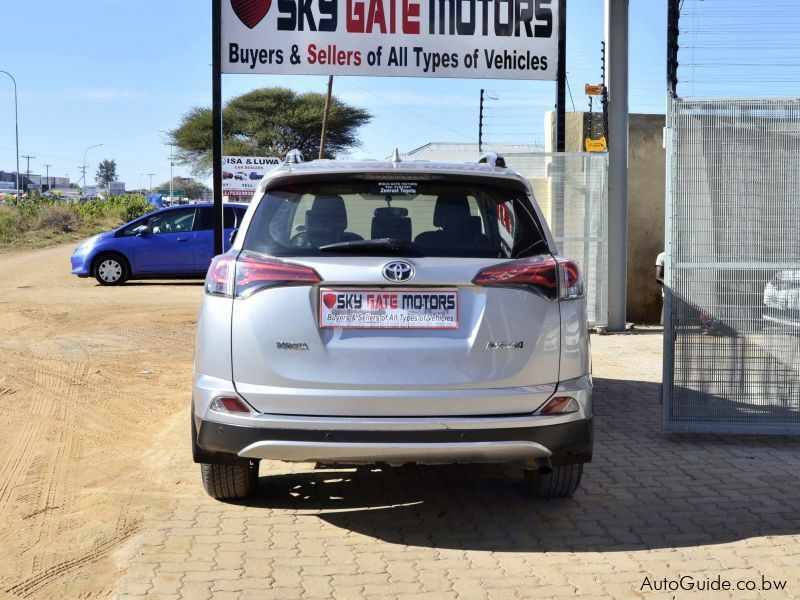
<point x="241" y="174"/>
<point x="487" y="39"/>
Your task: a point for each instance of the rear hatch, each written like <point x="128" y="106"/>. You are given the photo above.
<point x="395" y="298"/>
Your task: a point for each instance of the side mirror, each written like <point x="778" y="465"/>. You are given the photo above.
<point x="232" y="236"/>
<point x="142" y="230"/>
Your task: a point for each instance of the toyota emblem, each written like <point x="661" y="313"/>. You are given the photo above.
<point x="398" y="271"/>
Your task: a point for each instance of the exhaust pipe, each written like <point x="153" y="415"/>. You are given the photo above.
<point x="544" y="466"/>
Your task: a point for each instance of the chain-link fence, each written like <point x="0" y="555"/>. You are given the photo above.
<point x="572" y="190"/>
<point x="732" y="334"/>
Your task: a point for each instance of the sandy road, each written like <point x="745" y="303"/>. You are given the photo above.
<point x="89" y="378"/>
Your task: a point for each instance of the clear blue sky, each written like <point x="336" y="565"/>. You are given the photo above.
<point x="118" y="71"/>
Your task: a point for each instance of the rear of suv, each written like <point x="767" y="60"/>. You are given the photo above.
<point x="391" y="313"/>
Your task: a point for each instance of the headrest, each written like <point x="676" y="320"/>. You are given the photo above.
<point x="450" y="210"/>
<point x="327" y="212"/>
<point x="391" y="226"/>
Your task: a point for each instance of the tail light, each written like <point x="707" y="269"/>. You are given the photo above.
<point x="545" y="275"/>
<point x="240" y="278"/>
<point x="570" y="280"/>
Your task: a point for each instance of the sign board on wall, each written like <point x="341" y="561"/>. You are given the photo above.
<point x="486" y="39"/>
<point x="242" y="174"/>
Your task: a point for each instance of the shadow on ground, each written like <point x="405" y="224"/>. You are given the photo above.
<point x="161" y="282"/>
<point x="645" y="489"/>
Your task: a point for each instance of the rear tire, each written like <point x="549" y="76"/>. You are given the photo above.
<point x="561" y="483"/>
<point x="110" y="269"/>
<point x="230" y="482"/>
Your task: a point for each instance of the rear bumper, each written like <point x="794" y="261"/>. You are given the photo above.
<point x="561" y="443"/>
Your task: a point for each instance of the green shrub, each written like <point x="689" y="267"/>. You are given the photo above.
<point x="123" y="208"/>
<point x="9" y="223"/>
<point x="56" y="217"/>
<point x="42" y="214"/>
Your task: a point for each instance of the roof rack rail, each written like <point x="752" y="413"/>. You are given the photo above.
<point x="294" y="157"/>
<point x="492" y="158"/>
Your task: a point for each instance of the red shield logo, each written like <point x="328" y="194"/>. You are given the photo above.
<point x="250" y="12"/>
<point x="329" y="300"/>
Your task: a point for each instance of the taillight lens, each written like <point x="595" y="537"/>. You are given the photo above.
<point x="537" y="273"/>
<point x="553" y="278"/>
<point x="570" y="280"/>
<point x="241" y="277"/>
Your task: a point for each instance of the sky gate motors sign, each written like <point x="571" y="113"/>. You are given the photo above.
<point x="492" y="39"/>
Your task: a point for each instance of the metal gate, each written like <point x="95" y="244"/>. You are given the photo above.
<point x="732" y="280"/>
<point x="572" y="190"/>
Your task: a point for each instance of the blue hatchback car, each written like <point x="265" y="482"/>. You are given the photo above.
<point x="172" y="242"/>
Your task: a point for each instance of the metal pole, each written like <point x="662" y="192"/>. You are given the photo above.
<point x="16" y="124"/>
<point x="480" y="125"/>
<point x="47" y="177"/>
<point x="150" y="175"/>
<point x="559" y="173"/>
<point x="216" y="103"/>
<point x="561" y="78"/>
<point x="171" y="164"/>
<point x="325" y="115"/>
<point x="616" y="34"/>
<point x="84" y="161"/>
<point x="673" y="32"/>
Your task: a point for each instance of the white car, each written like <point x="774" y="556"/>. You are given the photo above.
<point x="392" y="312"/>
<point x="782" y="299"/>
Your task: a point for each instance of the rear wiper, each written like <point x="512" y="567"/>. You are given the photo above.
<point x="392" y="245"/>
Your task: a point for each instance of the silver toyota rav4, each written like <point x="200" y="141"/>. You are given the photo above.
<point x="392" y="312"/>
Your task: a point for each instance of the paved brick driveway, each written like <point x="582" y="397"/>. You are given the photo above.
<point x="650" y="505"/>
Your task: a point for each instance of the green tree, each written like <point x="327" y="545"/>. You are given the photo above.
<point x="268" y="122"/>
<point x="106" y="172"/>
<point x="192" y="188"/>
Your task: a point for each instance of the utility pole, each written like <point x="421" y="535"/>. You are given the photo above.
<point x="150" y="175"/>
<point x="47" y="177"/>
<point x="28" y="170"/>
<point x="325" y="115"/>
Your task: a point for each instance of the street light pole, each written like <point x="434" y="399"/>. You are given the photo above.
<point x="47" y="177"/>
<point x="84" y="161"/>
<point x="16" y="123"/>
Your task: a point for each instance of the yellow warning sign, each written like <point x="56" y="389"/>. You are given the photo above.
<point x="596" y="145"/>
<point x="594" y="90"/>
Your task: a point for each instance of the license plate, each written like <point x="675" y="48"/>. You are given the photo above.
<point x="388" y="309"/>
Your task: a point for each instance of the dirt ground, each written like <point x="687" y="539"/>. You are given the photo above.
<point x="91" y="380"/>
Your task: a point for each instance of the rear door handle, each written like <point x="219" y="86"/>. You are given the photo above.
<point x="182" y="239"/>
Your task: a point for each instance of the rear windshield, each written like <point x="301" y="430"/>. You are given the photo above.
<point x="427" y="218"/>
